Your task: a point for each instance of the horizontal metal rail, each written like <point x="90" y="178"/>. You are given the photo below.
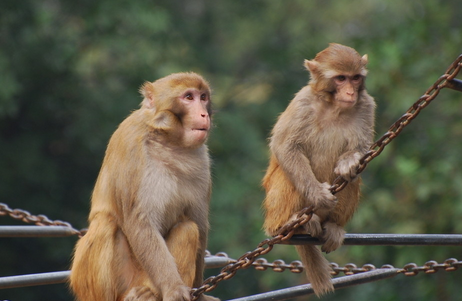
<point x="386" y="240"/>
<point x="36" y="231"/>
<point x="298" y="239"/>
<point x="61" y="277"/>
<point x="306" y="289"/>
<point x="34" y="279"/>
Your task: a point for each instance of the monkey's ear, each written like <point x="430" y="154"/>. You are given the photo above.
<point x="313" y="67"/>
<point x="147" y="90"/>
<point x="364" y="59"/>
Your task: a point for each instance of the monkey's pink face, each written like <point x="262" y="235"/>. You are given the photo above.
<point x="347" y="89"/>
<point x="196" y="122"/>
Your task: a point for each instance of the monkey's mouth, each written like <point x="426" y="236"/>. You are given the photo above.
<point x="201" y="126"/>
<point x="348" y="103"/>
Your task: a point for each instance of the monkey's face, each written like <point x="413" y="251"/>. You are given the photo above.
<point x="181" y="109"/>
<point x="347" y="89"/>
<point x="195" y="116"/>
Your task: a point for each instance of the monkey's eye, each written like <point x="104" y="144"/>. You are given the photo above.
<point x="189" y="96"/>
<point x="341" y="78"/>
<point x="357" y="77"/>
<point x="204" y="96"/>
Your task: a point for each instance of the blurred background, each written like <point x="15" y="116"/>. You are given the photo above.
<point x="70" y="73"/>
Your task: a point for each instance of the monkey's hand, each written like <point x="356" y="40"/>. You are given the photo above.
<point x="323" y="199"/>
<point x="347" y="166"/>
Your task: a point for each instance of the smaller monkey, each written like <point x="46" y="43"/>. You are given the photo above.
<point x="149" y="209"/>
<point x="322" y="134"/>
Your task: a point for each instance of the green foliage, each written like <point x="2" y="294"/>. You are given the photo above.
<point x="70" y="72"/>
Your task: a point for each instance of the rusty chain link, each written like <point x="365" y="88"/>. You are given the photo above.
<point x="339" y="183"/>
<point x="39" y="220"/>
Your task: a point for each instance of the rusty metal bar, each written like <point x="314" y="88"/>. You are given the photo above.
<point x="340" y="282"/>
<point x="386" y="240"/>
<point x="454" y="84"/>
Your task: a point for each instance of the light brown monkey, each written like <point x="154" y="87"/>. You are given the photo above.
<point x="149" y="209"/>
<point x="322" y="134"/>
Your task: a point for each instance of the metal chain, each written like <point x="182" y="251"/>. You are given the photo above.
<point x="431" y="267"/>
<point x="39" y="220"/>
<point x="246" y="260"/>
<point x="339" y="183"/>
<point x="410" y="269"/>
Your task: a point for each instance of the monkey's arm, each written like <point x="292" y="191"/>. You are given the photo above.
<point x="151" y="252"/>
<point x="287" y="146"/>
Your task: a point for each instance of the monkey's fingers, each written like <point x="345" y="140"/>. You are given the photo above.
<point x="347" y="168"/>
<point x="324" y="199"/>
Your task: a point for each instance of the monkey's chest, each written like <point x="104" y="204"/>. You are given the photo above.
<point x="327" y="142"/>
<point x="325" y="147"/>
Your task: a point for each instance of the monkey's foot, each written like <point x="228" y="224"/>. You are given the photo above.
<point x="313" y="227"/>
<point x="333" y="237"/>
<point x="141" y="293"/>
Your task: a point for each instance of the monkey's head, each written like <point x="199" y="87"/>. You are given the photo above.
<point x="181" y="108"/>
<point x="339" y="71"/>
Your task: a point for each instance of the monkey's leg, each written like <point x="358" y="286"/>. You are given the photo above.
<point x="134" y="283"/>
<point x="348" y="200"/>
<point x="281" y="201"/>
<point x="183" y="244"/>
<point x="93" y="276"/>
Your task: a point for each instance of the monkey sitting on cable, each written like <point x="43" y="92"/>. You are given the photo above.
<point x="149" y="209"/>
<point x="322" y="134"/>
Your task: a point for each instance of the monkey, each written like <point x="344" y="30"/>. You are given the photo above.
<point x="148" y="221"/>
<point x="321" y="135"/>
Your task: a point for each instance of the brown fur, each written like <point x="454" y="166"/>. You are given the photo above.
<point x="149" y="210"/>
<point x="322" y="134"/>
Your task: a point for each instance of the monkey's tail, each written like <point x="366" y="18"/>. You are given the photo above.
<point x="317" y="268"/>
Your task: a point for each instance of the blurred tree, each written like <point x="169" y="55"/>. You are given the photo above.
<point x="70" y="72"/>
